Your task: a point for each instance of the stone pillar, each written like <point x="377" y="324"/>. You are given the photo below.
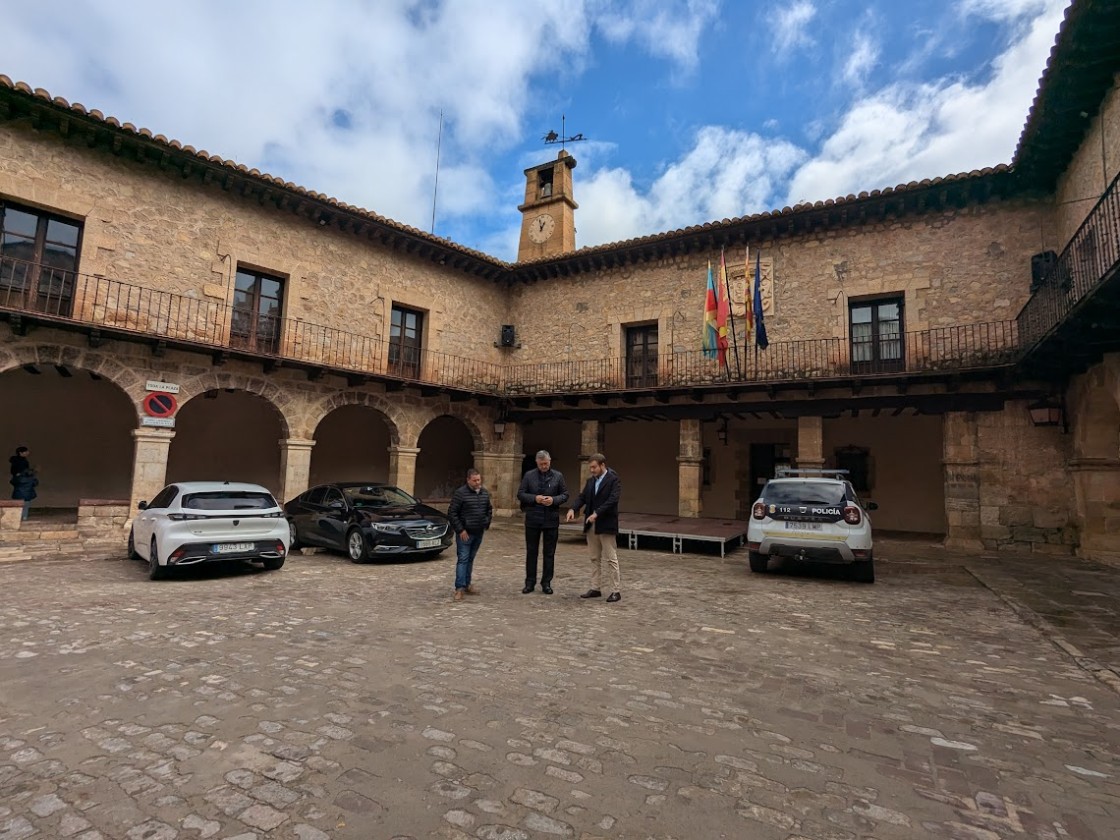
<point x="592" y="439"/>
<point x="810" y="443"/>
<point x="402" y="467"/>
<point x="149" y="464"/>
<point x="501" y="475"/>
<point x="961" y="463"/>
<point x="1096" y="486"/>
<point x="295" y="467"/>
<point x="690" y="470"/>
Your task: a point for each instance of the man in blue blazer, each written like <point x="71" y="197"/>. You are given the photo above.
<point x="599" y="502"/>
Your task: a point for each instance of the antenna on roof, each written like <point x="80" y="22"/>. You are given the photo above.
<point x="562" y="138"/>
<point x="435" y="188"/>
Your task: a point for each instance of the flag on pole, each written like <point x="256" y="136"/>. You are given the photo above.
<point x="749" y="294"/>
<point x="723" y="313"/>
<point x="711" y="313"/>
<point x="760" y="338"/>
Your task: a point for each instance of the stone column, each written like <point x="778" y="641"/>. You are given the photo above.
<point x="402" y="467"/>
<point x="810" y="443"/>
<point x="690" y="473"/>
<point x="961" y="463"/>
<point x="149" y="464"/>
<point x="592" y="439"/>
<point x="501" y="475"/>
<point x="295" y="467"/>
<point x="1096" y="486"/>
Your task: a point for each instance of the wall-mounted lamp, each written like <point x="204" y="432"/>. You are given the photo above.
<point x="1046" y="412"/>
<point x="841" y="269"/>
<point x="721" y="431"/>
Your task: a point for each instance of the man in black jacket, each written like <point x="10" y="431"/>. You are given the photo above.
<point x="470" y="513"/>
<point x="541" y="493"/>
<point x="599" y="502"/>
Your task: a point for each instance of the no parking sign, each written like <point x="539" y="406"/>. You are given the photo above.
<point x="160" y="408"/>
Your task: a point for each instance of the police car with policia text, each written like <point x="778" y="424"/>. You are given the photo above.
<point x="813" y="515"/>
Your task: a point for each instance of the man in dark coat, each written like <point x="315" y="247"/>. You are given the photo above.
<point x="470" y="513"/>
<point x="541" y="493"/>
<point x="599" y="503"/>
<point x="23" y="479"/>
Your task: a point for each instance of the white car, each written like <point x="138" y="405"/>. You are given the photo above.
<point x="206" y="521"/>
<point x="812" y="515"/>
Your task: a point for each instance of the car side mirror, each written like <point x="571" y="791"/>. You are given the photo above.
<point x="142" y="506"/>
<point x="871" y="506"/>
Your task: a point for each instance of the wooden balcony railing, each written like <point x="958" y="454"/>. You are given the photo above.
<point x="1090" y="257"/>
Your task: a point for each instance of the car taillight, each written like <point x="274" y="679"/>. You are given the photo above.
<point x="183" y="517"/>
<point x="759" y="510"/>
<point x="852" y="515"/>
<point x="280" y="547"/>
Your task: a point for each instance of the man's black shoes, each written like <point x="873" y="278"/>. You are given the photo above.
<point x="614" y="596"/>
<point x="527" y="589"/>
<point x="592" y="593"/>
<point x="547" y="590"/>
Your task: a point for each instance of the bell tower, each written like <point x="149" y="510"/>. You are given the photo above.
<point x="548" y="220"/>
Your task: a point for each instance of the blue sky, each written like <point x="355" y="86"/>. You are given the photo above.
<point x="695" y="110"/>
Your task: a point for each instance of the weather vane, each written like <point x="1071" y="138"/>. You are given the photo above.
<point x="562" y="138"/>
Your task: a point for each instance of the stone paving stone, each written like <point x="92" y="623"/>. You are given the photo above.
<point x="708" y="702"/>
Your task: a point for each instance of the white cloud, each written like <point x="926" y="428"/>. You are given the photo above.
<point x="863" y="56"/>
<point x="725" y="174"/>
<point x="791" y="24"/>
<point x="666" y="31"/>
<point x="907" y="132"/>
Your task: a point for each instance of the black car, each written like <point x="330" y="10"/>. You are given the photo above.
<point x="367" y="520"/>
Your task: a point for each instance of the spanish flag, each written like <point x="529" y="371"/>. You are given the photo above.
<point x="723" y="313"/>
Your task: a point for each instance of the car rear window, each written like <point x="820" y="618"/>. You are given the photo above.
<point x="810" y="492"/>
<point x="228" y="500"/>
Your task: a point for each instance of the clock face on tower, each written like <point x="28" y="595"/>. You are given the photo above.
<point x="541" y="227"/>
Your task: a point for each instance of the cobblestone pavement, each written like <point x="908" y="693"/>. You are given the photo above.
<point x="358" y="701"/>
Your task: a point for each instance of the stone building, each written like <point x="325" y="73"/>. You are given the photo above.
<point x="952" y="342"/>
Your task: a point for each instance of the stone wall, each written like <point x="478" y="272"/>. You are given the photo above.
<point x="103" y="517"/>
<point x="148" y="226"/>
<point x="1026" y="496"/>
<point x="955" y="267"/>
<point x="1094" y="166"/>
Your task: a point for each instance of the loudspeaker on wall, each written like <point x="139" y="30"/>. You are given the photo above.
<point x="509" y="336"/>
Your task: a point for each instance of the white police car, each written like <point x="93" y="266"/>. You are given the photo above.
<point x="811" y="515"/>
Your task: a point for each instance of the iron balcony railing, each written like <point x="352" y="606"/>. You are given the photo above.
<point x="1091" y="256"/>
<point x="65" y="296"/>
<point x="959" y="348"/>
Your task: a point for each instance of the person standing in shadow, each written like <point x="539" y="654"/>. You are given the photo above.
<point x="541" y="494"/>
<point x="23" y="480"/>
<point x="599" y="503"/>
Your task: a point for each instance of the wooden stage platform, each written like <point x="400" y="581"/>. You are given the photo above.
<point x="679" y="529"/>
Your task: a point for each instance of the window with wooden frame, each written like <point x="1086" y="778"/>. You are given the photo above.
<point x="38" y="259"/>
<point x="877" y="331"/>
<point x="406" y="338"/>
<point x="641" y="356"/>
<point x="258" y="306"/>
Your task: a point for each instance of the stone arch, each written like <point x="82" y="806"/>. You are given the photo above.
<point x="93" y="464"/>
<point x="277" y="396"/>
<point x="473" y="418"/>
<point x="102" y="364"/>
<point x="395" y="417"/>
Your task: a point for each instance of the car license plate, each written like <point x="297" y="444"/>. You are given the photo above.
<point x="231" y="548"/>
<point x="427" y="543"/>
<point x="804" y="526"/>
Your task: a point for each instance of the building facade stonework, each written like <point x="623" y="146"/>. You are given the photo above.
<point x="915" y="334"/>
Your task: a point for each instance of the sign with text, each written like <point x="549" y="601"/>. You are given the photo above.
<point x="158" y="422"/>
<point x="165" y="387"/>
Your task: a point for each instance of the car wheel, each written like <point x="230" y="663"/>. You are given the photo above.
<point x="133" y="554"/>
<point x="356" y="545"/>
<point x="293" y="535"/>
<point x="759" y="562"/>
<point x="863" y="571"/>
<point x="274" y="563"/>
<point x="155" y="570"/>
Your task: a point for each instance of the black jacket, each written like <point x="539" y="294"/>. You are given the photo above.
<point x="535" y="483"/>
<point x="18" y="464"/>
<point x="24" y="484"/>
<point x="604" y="503"/>
<point x="470" y="511"/>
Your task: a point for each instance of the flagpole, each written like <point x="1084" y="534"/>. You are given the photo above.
<point x="731" y="317"/>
